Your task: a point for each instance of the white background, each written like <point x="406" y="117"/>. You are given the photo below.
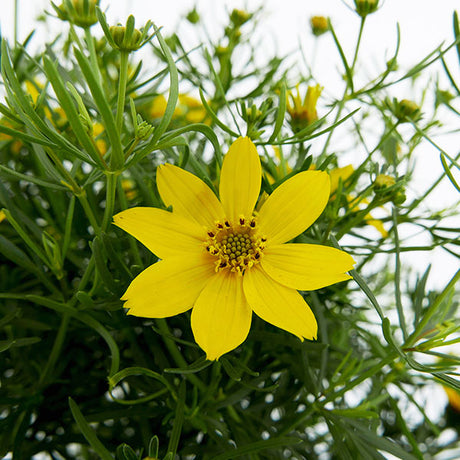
<point x="424" y="24"/>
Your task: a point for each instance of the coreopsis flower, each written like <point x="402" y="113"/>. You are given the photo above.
<point x="303" y="112"/>
<point x="224" y="260"/>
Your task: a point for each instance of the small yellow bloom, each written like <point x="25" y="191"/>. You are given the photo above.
<point x="98" y="130"/>
<point x="188" y="108"/>
<point x="319" y="25"/>
<point x="383" y="181"/>
<point x="227" y="260"/>
<point x="344" y="174"/>
<point x="303" y="112"/>
<point x="2" y="216"/>
<point x="129" y="187"/>
<point x="158" y="106"/>
<point x="453" y="396"/>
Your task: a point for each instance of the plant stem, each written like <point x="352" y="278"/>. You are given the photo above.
<point x="122" y="81"/>
<point x="15" y="36"/>
<point x="176" y="354"/>
<point x="56" y="350"/>
<point x="347" y="87"/>
<point x="132" y="243"/>
<point x="431" y="311"/>
<point x="92" y="53"/>
<point x="89" y="212"/>
<point x="111" y="188"/>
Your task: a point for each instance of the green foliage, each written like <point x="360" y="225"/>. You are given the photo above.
<point x="84" y="126"/>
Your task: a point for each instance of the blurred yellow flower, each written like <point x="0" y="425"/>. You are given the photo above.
<point x="188" y="108"/>
<point x="2" y="216"/>
<point x="343" y="174"/>
<point x="453" y="397"/>
<point x="303" y="112"/>
<point x="101" y="143"/>
<point x="129" y="187"/>
<point x="228" y="260"/>
<point x="319" y="25"/>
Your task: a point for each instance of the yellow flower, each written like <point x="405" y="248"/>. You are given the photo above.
<point x="226" y="261"/>
<point x="319" y="25"/>
<point x="98" y="130"/>
<point x="2" y="216"/>
<point x="453" y="396"/>
<point x="344" y="174"/>
<point x="188" y="107"/>
<point x="338" y="174"/>
<point x="303" y="112"/>
<point x="129" y="187"/>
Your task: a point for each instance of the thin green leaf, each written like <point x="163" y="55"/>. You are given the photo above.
<point x="88" y="432"/>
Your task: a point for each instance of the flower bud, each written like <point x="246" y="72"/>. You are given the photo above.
<point x="124" y="42"/>
<point x="193" y="17"/>
<point x="143" y="131"/>
<point x="383" y="181"/>
<point x="387" y="189"/>
<point x="365" y="7"/>
<point x="319" y="25"/>
<point x="407" y="110"/>
<point x="239" y="17"/>
<point x="79" y="12"/>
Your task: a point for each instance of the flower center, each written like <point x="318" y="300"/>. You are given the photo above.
<point x="236" y="247"/>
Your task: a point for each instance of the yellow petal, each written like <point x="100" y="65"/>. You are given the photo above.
<point x="294" y="206"/>
<point x="221" y="316"/>
<point x="168" y="287"/>
<point x="278" y="305"/>
<point x="164" y="233"/>
<point x="240" y="179"/>
<point x="188" y="195"/>
<point x="306" y="266"/>
<point x="340" y="173"/>
<point x="377" y="224"/>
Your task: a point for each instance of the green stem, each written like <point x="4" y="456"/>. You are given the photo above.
<point x="122" y="82"/>
<point x="433" y="308"/>
<point x="397" y="279"/>
<point x="89" y="212"/>
<point x="132" y="243"/>
<point x="347" y="87"/>
<point x="92" y="53"/>
<point x="76" y="189"/>
<point x="111" y="188"/>
<point x="16" y="21"/>
<point x="56" y="350"/>
<point x="176" y="354"/>
<point x="357" y="219"/>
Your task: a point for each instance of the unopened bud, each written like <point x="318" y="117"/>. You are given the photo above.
<point x="319" y="25"/>
<point x="407" y="110"/>
<point x="239" y="17"/>
<point x="122" y="41"/>
<point x="143" y="131"/>
<point x="365" y="7"/>
<point x="79" y="12"/>
<point x="383" y="181"/>
<point x="193" y="17"/>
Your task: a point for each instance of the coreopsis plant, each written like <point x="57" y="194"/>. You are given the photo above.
<point x="198" y="262"/>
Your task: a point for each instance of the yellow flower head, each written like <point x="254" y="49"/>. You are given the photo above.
<point x="319" y="25"/>
<point x="303" y="112"/>
<point x="188" y="108"/>
<point x="224" y="260"/>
